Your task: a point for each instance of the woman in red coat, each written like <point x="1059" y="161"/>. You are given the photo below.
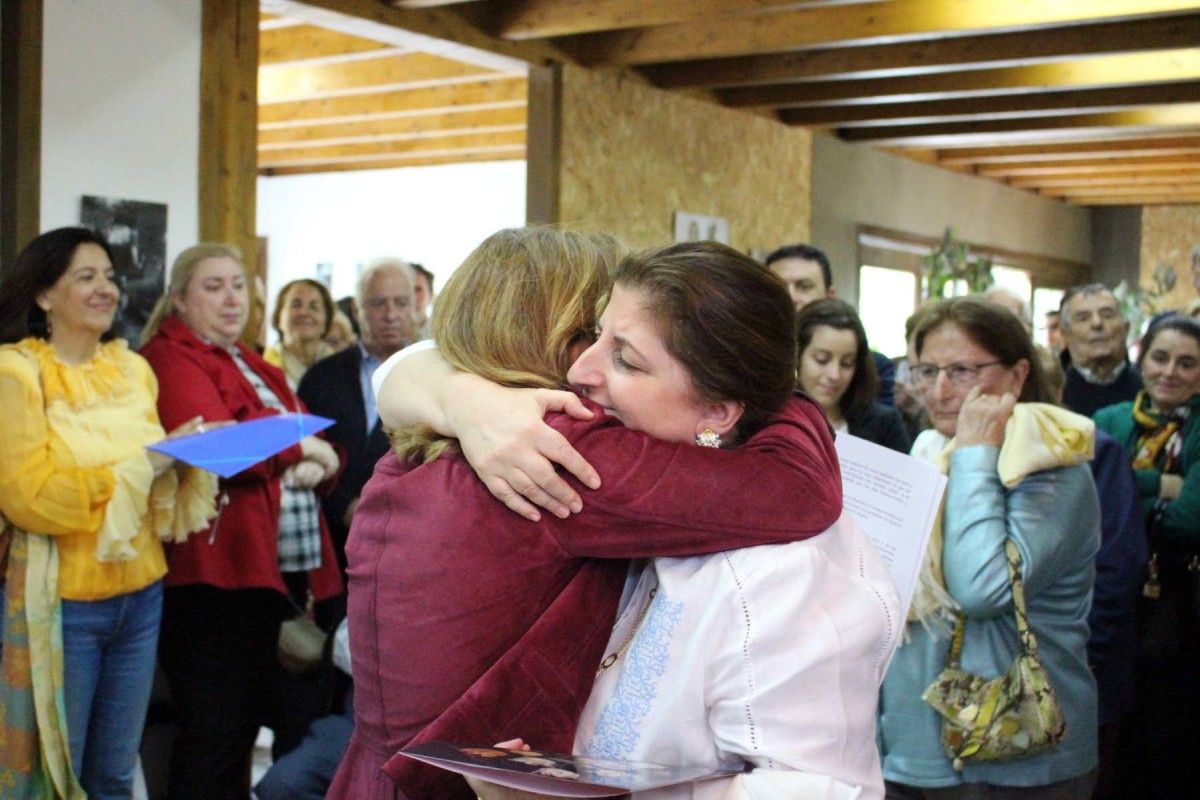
<point x="229" y="588"/>
<point x="472" y="624"/>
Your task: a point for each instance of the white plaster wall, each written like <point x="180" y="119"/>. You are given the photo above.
<point x="433" y="215"/>
<point x="120" y="109"/>
<point x="858" y="185"/>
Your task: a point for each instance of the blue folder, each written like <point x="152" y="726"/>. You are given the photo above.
<point x="231" y="449"/>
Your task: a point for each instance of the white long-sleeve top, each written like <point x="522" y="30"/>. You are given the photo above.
<point x="771" y="656"/>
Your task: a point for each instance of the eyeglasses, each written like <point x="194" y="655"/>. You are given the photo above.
<point x="963" y="375"/>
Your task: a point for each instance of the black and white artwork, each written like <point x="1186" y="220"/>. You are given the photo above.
<point x="136" y="232"/>
<point x="691" y="227"/>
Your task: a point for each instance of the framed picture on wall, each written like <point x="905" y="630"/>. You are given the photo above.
<point x="136" y="232"/>
<point x="700" y="228"/>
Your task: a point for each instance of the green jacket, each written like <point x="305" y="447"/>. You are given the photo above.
<point x="1182" y="516"/>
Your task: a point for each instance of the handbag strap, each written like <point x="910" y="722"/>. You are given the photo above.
<point x="1024" y="632"/>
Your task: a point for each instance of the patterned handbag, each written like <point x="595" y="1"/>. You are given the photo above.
<point x="1011" y="716"/>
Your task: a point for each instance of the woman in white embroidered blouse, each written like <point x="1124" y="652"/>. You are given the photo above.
<point x="768" y="657"/>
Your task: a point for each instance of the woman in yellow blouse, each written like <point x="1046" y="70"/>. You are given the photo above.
<point x="89" y="504"/>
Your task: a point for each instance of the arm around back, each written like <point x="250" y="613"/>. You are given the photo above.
<point x="667" y="499"/>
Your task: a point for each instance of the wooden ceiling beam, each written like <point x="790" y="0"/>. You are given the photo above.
<point x="432" y="30"/>
<point x="1113" y="147"/>
<point x="540" y="19"/>
<point x="874" y="21"/>
<point x="475" y="96"/>
<point x="375" y="151"/>
<point x="309" y="43"/>
<point x="1022" y="105"/>
<point x="1100" y="71"/>
<point x="387" y="73"/>
<point x="421" y="161"/>
<point x="1089" y="166"/>
<point x="1055" y="182"/>
<point x="1180" y="187"/>
<point x="1141" y="200"/>
<point x="1138" y="122"/>
<point x="423" y="127"/>
<point x="427" y="3"/>
<point x="448" y="153"/>
<point x="946" y="54"/>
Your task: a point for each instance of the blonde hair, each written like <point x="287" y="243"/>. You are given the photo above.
<point x="181" y="273"/>
<point x="512" y="311"/>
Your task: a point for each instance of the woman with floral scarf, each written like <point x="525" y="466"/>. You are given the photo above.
<point x="1160" y="430"/>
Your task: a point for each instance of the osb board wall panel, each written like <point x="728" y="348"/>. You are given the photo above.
<point x="633" y="155"/>
<point x="1171" y="235"/>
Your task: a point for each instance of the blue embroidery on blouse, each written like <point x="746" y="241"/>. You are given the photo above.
<point x="618" y="727"/>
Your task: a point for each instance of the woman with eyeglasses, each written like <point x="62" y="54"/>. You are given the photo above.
<point x="1017" y="470"/>
<point x="1161" y="433"/>
<point x="837" y="370"/>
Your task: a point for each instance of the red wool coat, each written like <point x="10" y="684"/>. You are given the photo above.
<point x="471" y="624"/>
<point x="240" y="549"/>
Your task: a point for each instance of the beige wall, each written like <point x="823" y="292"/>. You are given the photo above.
<point x="858" y="185"/>
<point x="633" y="155"/>
<point x="1170" y="235"/>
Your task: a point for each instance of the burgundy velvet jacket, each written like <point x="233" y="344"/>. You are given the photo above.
<point x="471" y="624"/>
<point x="240" y="549"/>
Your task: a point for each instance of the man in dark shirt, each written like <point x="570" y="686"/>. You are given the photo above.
<point x="1100" y="373"/>
<point x="339" y="386"/>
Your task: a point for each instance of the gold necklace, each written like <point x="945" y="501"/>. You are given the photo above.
<point x="612" y="657"/>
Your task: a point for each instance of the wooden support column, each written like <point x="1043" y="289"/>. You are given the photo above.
<point x="20" y="125"/>
<point x="543" y="144"/>
<point x="228" y="129"/>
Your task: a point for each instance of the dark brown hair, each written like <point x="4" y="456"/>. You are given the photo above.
<point x="1171" y="322"/>
<point x="995" y="329"/>
<point x="728" y="320"/>
<point x="38" y="267"/>
<point x="840" y="315"/>
<point x="326" y="303"/>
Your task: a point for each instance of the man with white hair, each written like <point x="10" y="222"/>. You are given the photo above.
<point x="1094" y="331"/>
<point x="339" y="387"/>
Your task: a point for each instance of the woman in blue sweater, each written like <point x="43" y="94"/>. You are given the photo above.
<point x="977" y="369"/>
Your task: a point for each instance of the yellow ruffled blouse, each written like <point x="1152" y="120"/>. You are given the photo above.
<point x="73" y="466"/>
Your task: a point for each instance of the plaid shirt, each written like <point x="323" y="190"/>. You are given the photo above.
<point x="299" y="527"/>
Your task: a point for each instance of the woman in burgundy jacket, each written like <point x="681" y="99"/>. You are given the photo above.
<point x="228" y="589"/>
<point x="471" y="624"/>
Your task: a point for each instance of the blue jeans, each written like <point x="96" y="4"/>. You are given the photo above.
<point x="109" y="649"/>
<point x="307" y="772"/>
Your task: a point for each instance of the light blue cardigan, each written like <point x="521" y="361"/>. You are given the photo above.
<point x="1054" y="517"/>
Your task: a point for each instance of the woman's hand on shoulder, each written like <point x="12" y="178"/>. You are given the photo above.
<point x="511" y="448"/>
<point x="982" y="417"/>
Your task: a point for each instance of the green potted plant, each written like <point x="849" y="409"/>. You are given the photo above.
<point x="950" y="269"/>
